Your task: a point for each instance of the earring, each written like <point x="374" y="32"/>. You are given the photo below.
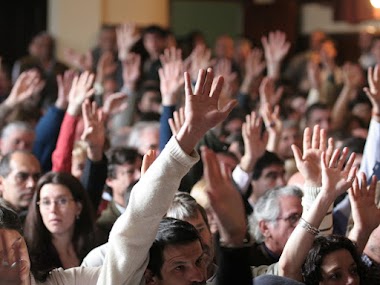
<point x="77" y="216"/>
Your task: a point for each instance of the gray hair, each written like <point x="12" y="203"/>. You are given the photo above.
<point x="138" y="129"/>
<point x="16" y="125"/>
<point x="268" y="209"/>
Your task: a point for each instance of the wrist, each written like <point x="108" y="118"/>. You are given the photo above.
<point x="73" y="110"/>
<point x="188" y="137"/>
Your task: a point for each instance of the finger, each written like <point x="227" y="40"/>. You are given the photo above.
<point x="323" y="140"/>
<point x="330" y="149"/>
<point x="217" y="88"/>
<point x="354" y="190"/>
<point x="376" y="74"/>
<point x="172" y="126"/>
<point x="363" y="183"/>
<point x="350" y="162"/>
<point x="370" y="77"/>
<point x="342" y="158"/>
<point x="372" y="187"/>
<point x="315" y="138"/>
<point x="188" y="88"/>
<point x="208" y="84"/>
<point x="334" y="159"/>
<point x="297" y="155"/>
<point x="306" y="139"/>
<point x="182" y="116"/>
<point x="200" y="82"/>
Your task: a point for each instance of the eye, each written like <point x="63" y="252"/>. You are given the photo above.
<point x="199" y="261"/>
<point x="335" y="276"/>
<point x="180" y="268"/>
<point x="354" y="271"/>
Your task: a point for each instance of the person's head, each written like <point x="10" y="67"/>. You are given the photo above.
<point x="318" y="114"/>
<point x="60" y="206"/>
<point x="365" y="39"/>
<point x="242" y="49"/>
<point x="185" y="207"/>
<point x="290" y="135"/>
<point x="276" y="214"/>
<point x="268" y="173"/>
<point x="355" y="145"/>
<point x="16" y="135"/>
<point x="149" y="100"/>
<point x="11" y="233"/>
<point x="42" y="46"/>
<point x="145" y="136"/>
<point x="123" y="169"/>
<point x="224" y="47"/>
<point x="328" y="49"/>
<point x="107" y="38"/>
<point x="154" y="40"/>
<point x="19" y="172"/>
<point x="316" y="39"/>
<point x="176" y="256"/>
<point x="333" y="260"/>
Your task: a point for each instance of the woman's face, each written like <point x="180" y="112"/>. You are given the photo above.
<point x="58" y="209"/>
<point x="339" y="268"/>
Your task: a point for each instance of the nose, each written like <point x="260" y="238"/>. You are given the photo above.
<point x="198" y="274"/>
<point x="30" y="182"/>
<point x="350" y="280"/>
<point x="280" y="181"/>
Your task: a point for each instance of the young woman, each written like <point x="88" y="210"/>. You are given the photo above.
<point x="59" y="226"/>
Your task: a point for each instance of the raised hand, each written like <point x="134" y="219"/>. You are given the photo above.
<point x="78" y="60"/>
<point x="114" y="104"/>
<point x="27" y="84"/>
<point x="131" y="70"/>
<point x="177" y="121"/>
<point x="309" y="161"/>
<point x="373" y="91"/>
<point x="81" y="89"/>
<point x="337" y="178"/>
<point x="201" y="108"/>
<point x="199" y="59"/>
<point x="171" y="79"/>
<point x="225" y="200"/>
<point x="64" y="86"/>
<point x="268" y="93"/>
<point x="275" y="49"/>
<point x="106" y="66"/>
<point x="352" y="75"/>
<point x="148" y="160"/>
<point x="254" y="143"/>
<point x="223" y="67"/>
<point x="126" y="35"/>
<point x="273" y="125"/>
<point x="94" y="130"/>
<point x="254" y="66"/>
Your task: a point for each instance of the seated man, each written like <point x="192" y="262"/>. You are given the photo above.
<point x="16" y="136"/>
<point x="19" y="172"/>
<point x="275" y="216"/>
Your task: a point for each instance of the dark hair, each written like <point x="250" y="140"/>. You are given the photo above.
<point x="9" y="220"/>
<point x="155" y="29"/>
<point x="324" y="245"/>
<point x="269" y="158"/>
<point x="170" y="232"/>
<point x="43" y="255"/>
<point x="119" y="156"/>
<point x="313" y="107"/>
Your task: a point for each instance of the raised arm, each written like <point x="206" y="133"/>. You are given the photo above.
<point x="134" y="232"/>
<point x="334" y="183"/>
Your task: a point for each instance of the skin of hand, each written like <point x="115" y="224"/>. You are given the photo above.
<point x="171" y="79"/>
<point x="254" y="143"/>
<point x="94" y="130"/>
<point x="268" y="93"/>
<point x="373" y="91"/>
<point x="148" y="160"/>
<point x="81" y="89"/>
<point x="225" y="200"/>
<point x="177" y="121"/>
<point x="201" y="108"/>
<point x="309" y="161"/>
<point x="114" y="104"/>
<point x="27" y="84"/>
<point x="64" y="86"/>
<point x="131" y="70"/>
<point x="106" y="66"/>
<point x="126" y="36"/>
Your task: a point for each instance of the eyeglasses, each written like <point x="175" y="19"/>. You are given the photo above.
<point x="22" y="177"/>
<point x="292" y="219"/>
<point x="62" y="202"/>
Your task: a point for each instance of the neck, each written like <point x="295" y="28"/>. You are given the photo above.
<point x="119" y="200"/>
<point x="274" y="250"/>
<point x="63" y="242"/>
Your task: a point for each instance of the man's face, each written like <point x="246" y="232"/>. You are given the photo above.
<point x="125" y="175"/>
<point x="150" y="139"/>
<point x="288" y="137"/>
<point x="271" y="176"/>
<point x="199" y="223"/>
<point x="19" y="185"/>
<point x="14" y="245"/>
<point x="183" y="265"/>
<point x="320" y="117"/>
<point x="154" y="44"/>
<point x="279" y="232"/>
<point x="17" y="140"/>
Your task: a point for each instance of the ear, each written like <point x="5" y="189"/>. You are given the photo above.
<point x="79" y="208"/>
<point x="264" y="229"/>
<point x="150" y="278"/>
<point x="109" y="182"/>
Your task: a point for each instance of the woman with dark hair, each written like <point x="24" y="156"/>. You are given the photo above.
<point x="332" y="260"/>
<point x="59" y="226"/>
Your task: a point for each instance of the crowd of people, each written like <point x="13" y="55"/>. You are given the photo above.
<point x="153" y="161"/>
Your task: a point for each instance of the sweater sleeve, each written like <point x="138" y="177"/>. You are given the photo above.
<point x="47" y="131"/>
<point x="134" y="232"/>
<point x="61" y="158"/>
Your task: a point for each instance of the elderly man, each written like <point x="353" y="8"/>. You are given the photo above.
<point x="275" y="216"/>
